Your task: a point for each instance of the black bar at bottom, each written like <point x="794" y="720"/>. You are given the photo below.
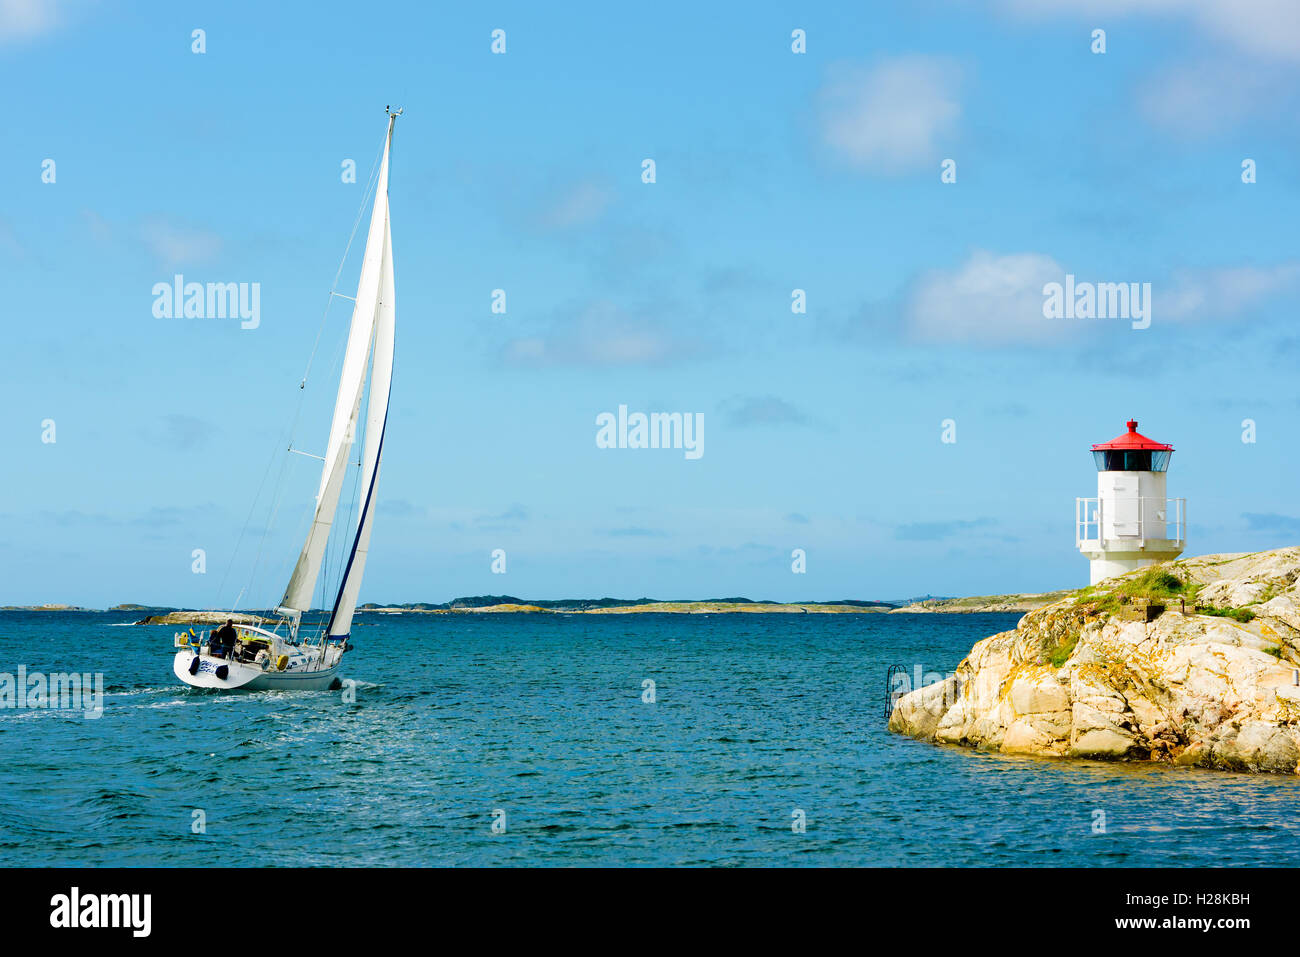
<point x="336" y="906"/>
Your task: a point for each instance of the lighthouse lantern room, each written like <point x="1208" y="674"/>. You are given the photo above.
<point x="1130" y="524"/>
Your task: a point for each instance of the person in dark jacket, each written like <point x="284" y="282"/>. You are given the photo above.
<point x="222" y="640"/>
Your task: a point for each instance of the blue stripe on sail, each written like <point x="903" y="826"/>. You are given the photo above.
<point x="379" y="456"/>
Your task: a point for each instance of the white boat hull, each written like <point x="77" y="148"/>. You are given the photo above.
<point x="249" y="677"/>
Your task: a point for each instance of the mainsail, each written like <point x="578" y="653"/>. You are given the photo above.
<point x="381" y="376"/>
<point x="371" y="330"/>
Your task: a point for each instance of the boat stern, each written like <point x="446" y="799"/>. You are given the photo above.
<point x="218" y="674"/>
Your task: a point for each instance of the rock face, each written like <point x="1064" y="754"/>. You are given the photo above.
<point x="1088" y="677"/>
<point x="200" y="618"/>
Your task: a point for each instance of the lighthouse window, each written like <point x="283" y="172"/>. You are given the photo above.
<point x="1131" y="460"/>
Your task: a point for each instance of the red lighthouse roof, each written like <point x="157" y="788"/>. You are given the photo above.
<point x="1133" y="440"/>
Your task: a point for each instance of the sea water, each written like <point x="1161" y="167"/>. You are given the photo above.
<point x="540" y="740"/>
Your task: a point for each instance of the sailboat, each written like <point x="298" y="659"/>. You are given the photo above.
<point x="282" y="656"/>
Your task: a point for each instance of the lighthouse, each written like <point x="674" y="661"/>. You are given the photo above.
<point x="1130" y="524"/>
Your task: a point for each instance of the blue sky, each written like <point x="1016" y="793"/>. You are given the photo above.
<point x="774" y="171"/>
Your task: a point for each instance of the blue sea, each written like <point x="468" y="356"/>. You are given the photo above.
<point x="537" y="725"/>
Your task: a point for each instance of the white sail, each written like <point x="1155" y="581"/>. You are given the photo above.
<point x="297" y="596"/>
<point x="381" y="377"/>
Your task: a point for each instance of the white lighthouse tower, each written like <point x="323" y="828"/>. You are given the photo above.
<point x="1130" y="523"/>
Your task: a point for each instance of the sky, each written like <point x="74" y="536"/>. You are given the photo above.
<point x="130" y="157"/>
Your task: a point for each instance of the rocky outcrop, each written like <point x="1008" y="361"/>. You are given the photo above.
<point x="200" y="618"/>
<point x="1193" y="662"/>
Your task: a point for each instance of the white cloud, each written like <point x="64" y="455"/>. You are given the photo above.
<point x="179" y="245"/>
<point x="10" y="245"/>
<point x="1251" y="70"/>
<point x="1269" y="28"/>
<point x="579" y="205"/>
<point x="1203" y="98"/>
<point x="989" y="298"/>
<point x="1221" y="293"/>
<point x="25" y="19"/>
<point x="1266" y="27"/>
<point x="890" y="117"/>
<point x="99" y="228"/>
<point x="998" y="299"/>
<point x="600" y="334"/>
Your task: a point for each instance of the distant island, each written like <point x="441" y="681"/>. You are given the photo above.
<point x="983" y="603"/>
<point x="508" y="604"/>
<point x="615" y="606"/>
<point x="49" y="607"/>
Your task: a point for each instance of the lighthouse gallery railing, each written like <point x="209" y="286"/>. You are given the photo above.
<point x="1137" y="519"/>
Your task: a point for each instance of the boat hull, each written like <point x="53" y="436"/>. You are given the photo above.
<point x="245" y="677"/>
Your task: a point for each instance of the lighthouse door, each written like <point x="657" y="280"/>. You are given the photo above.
<point x="1127" y="514"/>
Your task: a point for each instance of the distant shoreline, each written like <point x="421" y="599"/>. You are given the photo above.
<point x="985" y="603"/>
<point x="481" y="605"/>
